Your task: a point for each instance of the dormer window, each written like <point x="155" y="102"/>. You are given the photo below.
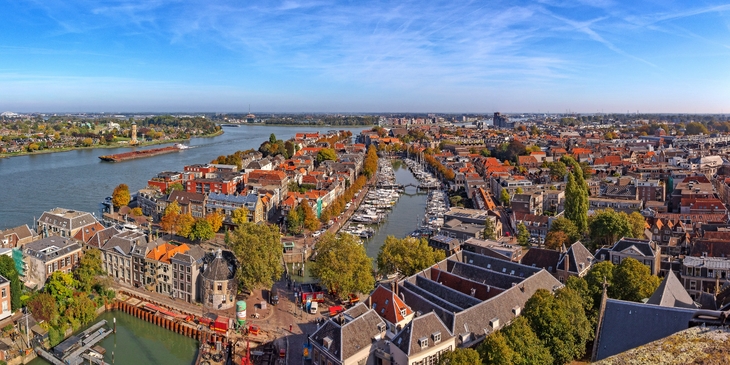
<point x="403" y="312"/>
<point x="436" y="336"/>
<point x="423" y="342"/>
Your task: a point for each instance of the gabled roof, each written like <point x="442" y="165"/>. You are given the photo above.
<point x="86" y="234"/>
<point x="671" y="293"/>
<point x="580" y="259"/>
<point x="420" y="328"/>
<point x="387" y="305"/>
<point x="100" y="237"/>
<point x="349" y="335"/>
<point x="639" y="246"/>
<point x="21" y="231"/>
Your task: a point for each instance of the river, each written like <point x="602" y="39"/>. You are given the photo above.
<point x="32" y="184"/>
<point x="142" y="343"/>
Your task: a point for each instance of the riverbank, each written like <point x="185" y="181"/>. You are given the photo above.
<point x="107" y="146"/>
<point x="231" y="125"/>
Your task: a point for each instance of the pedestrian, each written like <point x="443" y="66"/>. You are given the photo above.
<point x="290" y="328"/>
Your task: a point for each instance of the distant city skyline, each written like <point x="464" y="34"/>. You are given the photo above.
<point x="329" y="56"/>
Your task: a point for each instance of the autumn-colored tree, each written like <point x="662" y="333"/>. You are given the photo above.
<point x="216" y="220"/>
<point x="555" y="240"/>
<point x="121" y="196"/>
<point x="294" y="222"/>
<point x="170" y="217"/>
<point x="136" y="212"/>
<point x="326" y="154"/>
<point x="239" y="216"/>
<point x="309" y="218"/>
<point x="185" y="224"/>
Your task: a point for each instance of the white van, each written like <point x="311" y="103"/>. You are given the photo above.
<point x="313" y="307"/>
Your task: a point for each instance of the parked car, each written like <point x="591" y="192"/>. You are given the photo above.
<point x="313" y="307"/>
<point x="316" y="234"/>
<point x="273" y="297"/>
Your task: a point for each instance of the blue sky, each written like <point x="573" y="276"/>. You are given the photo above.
<point x="359" y="56"/>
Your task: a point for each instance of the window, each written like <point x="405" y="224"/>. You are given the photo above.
<point x="220" y="286"/>
<point x="423" y="342"/>
<point x="692" y="285"/>
<point x="436" y="337"/>
<point x="188" y="268"/>
<point x="5" y="294"/>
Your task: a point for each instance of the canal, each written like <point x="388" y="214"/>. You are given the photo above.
<point x="79" y="180"/>
<point x="406" y="214"/>
<point x="142" y="343"/>
<point x="403" y="219"/>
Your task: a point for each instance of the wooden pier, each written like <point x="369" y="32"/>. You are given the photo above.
<point x="88" y="339"/>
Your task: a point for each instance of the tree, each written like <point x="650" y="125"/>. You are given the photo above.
<point x="576" y="203"/>
<point x="293" y="222"/>
<point x="10" y="272"/>
<point x="594" y="279"/>
<point x="637" y="222"/>
<point x="460" y="356"/>
<point x="608" y="226"/>
<point x="240" y="216"/>
<point x="87" y="142"/>
<point x="693" y="128"/>
<point x="523" y="235"/>
<point x="557" y="170"/>
<point x="89" y="268"/>
<point x="580" y="286"/>
<point x="272" y="138"/>
<point x="496" y="351"/>
<point x="489" y="230"/>
<point x="406" y="256"/>
<point x="174" y="187"/>
<point x="504" y="197"/>
<point x="519" y="189"/>
<point x="44" y="307"/>
<point x="555" y="240"/>
<point x="342" y="265"/>
<point x="527" y="346"/>
<point x="632" y="281"/>
<point x="185" y="224"/>
<point x="326" y="154"/>
<point x="309" y="219"/>
<point x="137" y="211"/>
<point x="566" y="226"/>
<point x="260" y="245"/>
<point x="121" y="196"/>
<point x="560" y="322"/>
<point x="201" y="230"/>
<point x="216" y="220"/>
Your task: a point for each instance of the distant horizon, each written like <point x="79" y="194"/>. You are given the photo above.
<point x="323" y="56"/>
<point x="257" y="113"/>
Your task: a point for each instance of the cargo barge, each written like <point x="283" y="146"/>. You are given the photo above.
<point x="141" y="153"/>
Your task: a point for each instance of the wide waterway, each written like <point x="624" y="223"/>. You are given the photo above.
<point x="30" y="185"/>
<point x="142" y="343"/>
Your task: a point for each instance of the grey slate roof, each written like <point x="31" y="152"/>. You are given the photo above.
<point x="627" y="325"/>
<point x="644" y="246"/>
<point x="422" y="326"/>
<point x="100" y="237"/>
<point x="222" y="267"/>
<point x="68" y="219"/>
<point x="351" y="336"/>
<point x="495" y="264"/>
<point x="50" y="248"/>
<point x="671" y="293"/>
<point x="125" y="241"/>
<point x="577" y="254"/>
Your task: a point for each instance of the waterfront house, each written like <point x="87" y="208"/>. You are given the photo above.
<point x="186" y="274"/>
<point x="116" y="255"/>
<point x="159" y="267"/>
<point x="218" y="281"/>
<point x="190" y="203"/>
<point x="17" y="237"/>
<point x="64" y="222"/>
<point x="48" y="255"/>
